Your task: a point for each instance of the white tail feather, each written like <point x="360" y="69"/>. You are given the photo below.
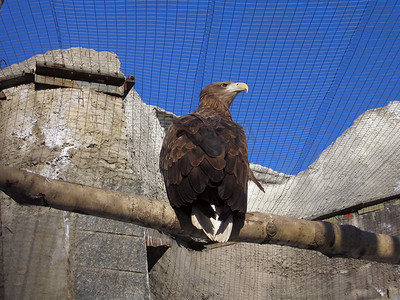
<point x="215" y="229"/>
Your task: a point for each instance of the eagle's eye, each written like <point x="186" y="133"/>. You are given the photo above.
<point x="224" y="85"/>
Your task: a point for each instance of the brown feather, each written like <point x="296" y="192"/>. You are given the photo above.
<point x="254" y="179"/>
<point x="186" y="191"/>
<point x="212" y="173"/>
<point x="230" y="163"/>
<point x="176" y="199"/>
<point x="195" y="156"/>
<point x="218" y="163"/>
<point x="227" y="187"/>
<point x="198" y="180"/>
<point x="174" y="174"/>
<point x="185" y="165"/>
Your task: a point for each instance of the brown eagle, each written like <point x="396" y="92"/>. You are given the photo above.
<point x="204" y="162"/>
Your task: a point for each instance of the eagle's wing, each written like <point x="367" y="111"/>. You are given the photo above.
<point x="201" y="155"/>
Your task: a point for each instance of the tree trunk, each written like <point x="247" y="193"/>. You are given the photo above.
<point x="330" y="239"/>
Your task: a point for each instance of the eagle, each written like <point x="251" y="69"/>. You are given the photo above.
<point x="205" y="165"/>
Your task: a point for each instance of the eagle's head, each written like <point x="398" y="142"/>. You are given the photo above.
<point x="223" y="91"/>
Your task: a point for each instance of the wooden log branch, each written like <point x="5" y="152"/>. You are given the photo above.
<point x="330" y="239"/>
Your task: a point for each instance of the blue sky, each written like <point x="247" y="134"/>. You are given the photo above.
<point x="312" y="66"/>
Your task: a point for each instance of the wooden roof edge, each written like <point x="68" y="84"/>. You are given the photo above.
<point x="54" y="70"/>
<point x="357" y="207"/>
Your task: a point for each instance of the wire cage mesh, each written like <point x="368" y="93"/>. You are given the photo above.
<point x="321" y="118"/>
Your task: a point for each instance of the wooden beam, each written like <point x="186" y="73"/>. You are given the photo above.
<point x="330" y="239"/>
<point x="64" y="76"/>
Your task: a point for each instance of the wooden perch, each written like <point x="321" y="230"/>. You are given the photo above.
<point x="330" y="239"/>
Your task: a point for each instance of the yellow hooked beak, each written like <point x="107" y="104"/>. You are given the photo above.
<point x="240" y="87"/>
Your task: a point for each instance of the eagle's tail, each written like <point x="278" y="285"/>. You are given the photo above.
<point x="218" y="227"/>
